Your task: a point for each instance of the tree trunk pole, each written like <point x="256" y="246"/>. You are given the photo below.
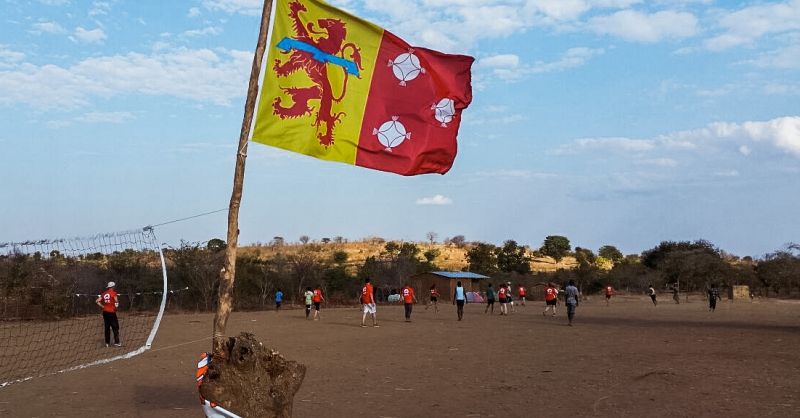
<point x="228" y="273"/>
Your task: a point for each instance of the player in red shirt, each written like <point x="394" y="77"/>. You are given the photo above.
<point x="502" y="295"/>
<point x="109" y="302"/>
<point x="550" y="298"/>
<point x="317" y="299"/>
<point x="408" y="300"/>
<point x="368" y="304"/>
<point x="609" y="293"/>
<point x="434" y="299"/>
<point x="521" y="294"/>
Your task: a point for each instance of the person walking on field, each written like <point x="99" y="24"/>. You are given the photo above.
<point x="489" y="299"/>
<point x="408" y="300"/>
<point x="675" y="296"/>
<point x="713" y="295"/>
<point x="309" y="297"/>
<point x="652" y="293"/>
<point x="609" y="293"/>
<point x="459" y="299"/>
<point x="109" y="302"/>
<point x="368" y="304"/>
<point x="509" y="298"/>
<point x="317" y="299"/>
<point x="278" y="299"/>
<point x="502" y="296"/>
<point x="550" y="298"/>
<point x="434" y="299"/>
<point x="571" y="294"/>
<point x="521" y="294"/>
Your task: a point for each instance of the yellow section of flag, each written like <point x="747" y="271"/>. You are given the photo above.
<point x="316" y="80"/>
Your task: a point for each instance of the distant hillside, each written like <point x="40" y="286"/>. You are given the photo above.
<point x="451" y="257"/>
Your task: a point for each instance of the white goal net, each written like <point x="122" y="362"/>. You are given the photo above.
<point x="50" y="321"/>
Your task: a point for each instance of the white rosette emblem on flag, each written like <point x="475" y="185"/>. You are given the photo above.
<point x="444" y="111"/>
<point x="406" y="67"/>
<point x="391" y="133"/>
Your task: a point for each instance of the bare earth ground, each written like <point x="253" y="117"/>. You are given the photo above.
<point x="629" y="359"/>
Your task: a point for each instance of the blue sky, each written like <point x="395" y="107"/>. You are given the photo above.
<point x="617" y="122"/>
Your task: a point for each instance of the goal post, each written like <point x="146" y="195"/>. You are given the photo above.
<point x="49" y="318"/>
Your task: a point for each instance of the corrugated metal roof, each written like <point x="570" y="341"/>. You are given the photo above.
<point x="459" y="275"/>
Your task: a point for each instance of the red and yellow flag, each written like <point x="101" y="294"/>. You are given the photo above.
<point x="339" y="88"/>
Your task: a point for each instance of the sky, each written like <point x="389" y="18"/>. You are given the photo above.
<point x="611" y="122"/>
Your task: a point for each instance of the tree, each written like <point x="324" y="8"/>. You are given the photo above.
<point x="304" y="239"/>
<point x="482" y="258"/>
<point x="693" y="265"/>
<point x="555" y="246"/>
<point x="277" y="241"/>
<point x="458" y="241"/>
<point x="610" y="252"/>
<point x="779" y="270"/>
<point x="511" y="258"/>
<point x="216" y="244"/>
<point x="326" y="240"/>
<point x="432" y="237"/>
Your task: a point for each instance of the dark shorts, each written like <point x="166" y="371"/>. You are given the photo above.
<point x="653" y="297"/>
<point x="490" y="301"/>
<point x="434" y="298"/>
<point x="278" y="304"/>
<point x="553" y="302"/>
<point x="608" y="296"/>
<point x="460" y="303"/>
<point x="308" y="307"/>
<point x="316" y="305"/>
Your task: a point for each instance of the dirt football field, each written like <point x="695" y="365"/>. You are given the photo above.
<point x="629" y="359"/>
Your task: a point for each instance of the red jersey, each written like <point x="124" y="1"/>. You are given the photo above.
<point x="501" y="293"/>
<point x="367" y="294"/>
<point x="434" y="293"/>
<point x="550" y="293"/>
<point x="109" y="300"/>
<point x="521" y="292"/>
<point x="609" y="291"/>
<point x="317" y="296"/>
<point x="408" y="294"/>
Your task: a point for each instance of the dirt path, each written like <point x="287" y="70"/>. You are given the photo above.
<point x="629" y="359"/>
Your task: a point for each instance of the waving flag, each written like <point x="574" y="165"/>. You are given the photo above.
<point x="339" y="88"/>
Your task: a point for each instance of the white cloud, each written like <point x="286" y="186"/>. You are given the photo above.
<point x="99" y="8"/>
<point x="195" y="74"/>
<point x="787" y="58"/>
<point x="658" y="162"/>
<point x="54" y="2"/>
<point x="193" y="12"/>
<point x="508" y="66"/>
<point x="435" y="200"/>
<point x="744" y="26"/>
<point x="246" y="7"/>
<point x="94" y="36"/>
<point x="783" y="133"/>
<point x="10" y="56"/>
<point x="502" y="60"/>
<point x="727" y="173"/>
<point x="105" y="117"/>
<point x="642" y="27"/>
<point x="745" y="150"/>
<point x="211" y="30"/>
<point x="573" y="57"/>
<point x="617" y="144"/>
<point x="47" y="27"/>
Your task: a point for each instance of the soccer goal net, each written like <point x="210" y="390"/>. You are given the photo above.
<point x="50" y="321"/>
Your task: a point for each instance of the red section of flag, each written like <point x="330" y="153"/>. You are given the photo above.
<point x="400" y="131"/>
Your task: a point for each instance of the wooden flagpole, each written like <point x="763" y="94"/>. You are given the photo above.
<point x="228" y="273"/>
